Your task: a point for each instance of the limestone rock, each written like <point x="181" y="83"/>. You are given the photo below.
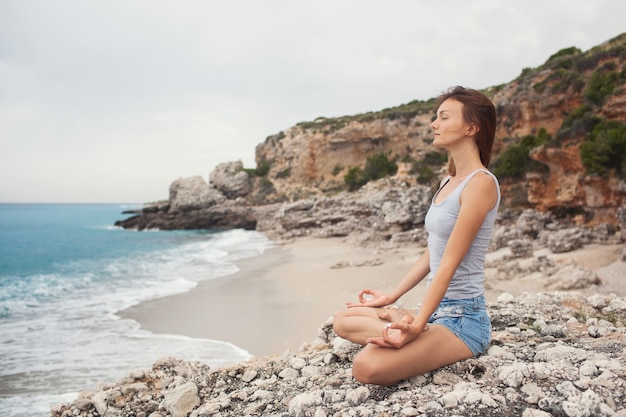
<point x="572" y="277"/>
<point x="231" y="179"/>
<point x="565" y="240"/>
<point x="188" y="194"/>
<point x="521" y="248"/>
<point x="181" y="400"/>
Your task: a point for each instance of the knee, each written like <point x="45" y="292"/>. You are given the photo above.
<point x="339" y="325"/>
<point x="367" y="371"/>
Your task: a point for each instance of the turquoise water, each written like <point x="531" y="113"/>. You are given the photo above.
<point x="64" y="273"/>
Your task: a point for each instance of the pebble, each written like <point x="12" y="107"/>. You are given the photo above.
<point x="555" y="370"/>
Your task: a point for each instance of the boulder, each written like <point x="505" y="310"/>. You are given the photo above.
<point x="181" y="400"/>
<point x="565" y="240"/>
<point x="231" y="179"/>
<point x="192" y="193"/>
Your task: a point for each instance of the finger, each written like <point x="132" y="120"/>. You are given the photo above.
<point x="378" y="341"/>
<point x="363" y="293"/>
<point x="388" y="341"/>
<point x="351" y="305"/>
<point x="386" y="329"/>
<point x="403" y="327"/>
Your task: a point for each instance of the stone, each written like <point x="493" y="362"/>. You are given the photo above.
<point x="521" y="248"/>
<point x="181" y="400"/>
<point x="513" y="375"/>
<point x="99" y="401"/>
<point x="531" y="412"/>
<point x="357" y="396"/>
<point x="572" y="277"/>
<point x="192" y="193"/>
<point x="249" y="375"/>
<point x="231" y="179"/>
<point x="565" y="240"/>
<point x="206" y="410"/>
<point x="134" y="388"/>
<point x="289" y="373"/>
<point x="302" y="402"/>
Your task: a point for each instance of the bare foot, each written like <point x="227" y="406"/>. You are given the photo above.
<point x="393" y="314"/>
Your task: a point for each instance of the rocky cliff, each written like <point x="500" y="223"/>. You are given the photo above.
<point x="315" y="157"/>
<point x="560" y="148"/>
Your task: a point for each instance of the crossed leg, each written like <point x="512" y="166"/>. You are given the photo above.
<point x="431" y="350"/>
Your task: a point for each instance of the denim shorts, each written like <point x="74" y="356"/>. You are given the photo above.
<point x="467" y="319"/>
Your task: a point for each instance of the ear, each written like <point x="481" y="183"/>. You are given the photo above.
<point x="472" y="130"/>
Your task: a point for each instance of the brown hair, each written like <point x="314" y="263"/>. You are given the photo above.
<point x="477" y="110"/>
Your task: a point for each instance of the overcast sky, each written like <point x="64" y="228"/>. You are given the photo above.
<point x="112" y="100"/>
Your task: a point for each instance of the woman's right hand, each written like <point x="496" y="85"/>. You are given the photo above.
<point x="371" y="298"/>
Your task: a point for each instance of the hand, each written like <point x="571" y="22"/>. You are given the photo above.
<point x="374" y="299"/>
<point x="398" y="334"/>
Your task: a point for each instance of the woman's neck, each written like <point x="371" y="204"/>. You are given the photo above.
<point x="466" y="158"/>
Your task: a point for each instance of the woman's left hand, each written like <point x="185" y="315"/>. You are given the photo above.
<point x="398" y="334"/>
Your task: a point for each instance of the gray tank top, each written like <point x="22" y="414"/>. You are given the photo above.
<point x="469" y="277"/>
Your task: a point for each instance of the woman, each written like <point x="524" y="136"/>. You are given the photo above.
<point x="452" y="323"/>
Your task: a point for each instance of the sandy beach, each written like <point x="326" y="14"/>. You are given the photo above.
<point x="278" y="301"/>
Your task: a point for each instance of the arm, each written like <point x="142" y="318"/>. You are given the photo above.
<point x="414" y="276"/>
<point x="477" y="200"/>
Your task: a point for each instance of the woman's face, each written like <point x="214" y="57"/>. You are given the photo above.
<point x="449" y="126"/>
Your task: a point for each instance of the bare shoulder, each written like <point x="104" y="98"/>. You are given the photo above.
<point x="483" y="179"/>
<point x="481" y="187"/>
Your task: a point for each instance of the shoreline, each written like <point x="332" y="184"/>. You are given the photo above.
<point x="278" y="300"/>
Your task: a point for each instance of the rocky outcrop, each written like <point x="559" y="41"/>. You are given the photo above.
<point x="159" y="216"/>
<point x="552" y="354"/>
<point x="383" y="211"/>
<point x="187" y="194"/>
<point x="230" y="179"/>
<point x="194" y="204"/>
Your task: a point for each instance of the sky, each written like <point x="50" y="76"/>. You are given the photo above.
<point x="113" y="100"/>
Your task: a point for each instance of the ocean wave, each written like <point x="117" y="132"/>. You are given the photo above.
<point x="59" y="331"/>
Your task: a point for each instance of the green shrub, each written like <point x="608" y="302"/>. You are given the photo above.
<point x="602" y="85"/>
<point x="572" y="50"/>
<point x="376" y="166"/>
<point x="515" y="161"/>
<point x="425" y="168"/>
<point x="580" y="122"/>
<point x="435" y="159"/>
<point x="354" y="179"/>
<point x="425" y="175"/>
<point x="604" y="149"/>
<point x="263" y="168"/>
<point x="285" y="173"/>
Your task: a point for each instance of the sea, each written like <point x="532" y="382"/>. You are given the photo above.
<point x="66" y="272"/>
